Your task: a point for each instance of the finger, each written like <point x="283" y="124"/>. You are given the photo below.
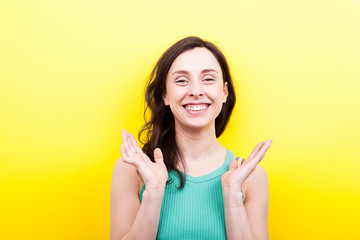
<point x="134" y="143"/>
<point x="126" y="150"/>
<point x="122" y="151"/>
<point x="138" y="150"/>
<point x="131" y="147"/>
<point x="243" y="172"/>
<point x="256" y="150"/>
<point x="158" y="156"/>
<point x="230" y="171"/>
<point x="261" y="154"/>
<point x="233" y="164"/>
<point x="124" y="154"/>
<point x="252" y="163"/>
<point x="138" y="164"/>
<point x="124" y="139"/>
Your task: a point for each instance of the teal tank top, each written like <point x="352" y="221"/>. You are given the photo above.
<point x="196" y="211"/>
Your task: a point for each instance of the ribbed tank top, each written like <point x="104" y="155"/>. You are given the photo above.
<point x="196" y="211"/>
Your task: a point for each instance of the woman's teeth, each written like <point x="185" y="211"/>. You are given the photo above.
<point x="196" y="107"/>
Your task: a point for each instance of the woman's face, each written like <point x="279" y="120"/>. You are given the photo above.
<point x="195" y="90"/>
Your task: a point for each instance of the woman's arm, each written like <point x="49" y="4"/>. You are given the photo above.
<point x="147" y="220"/>
<point x="129" y="219"/>
<point x="249" y="220"/>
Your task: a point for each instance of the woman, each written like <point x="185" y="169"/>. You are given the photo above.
<point x="183" y="184"/>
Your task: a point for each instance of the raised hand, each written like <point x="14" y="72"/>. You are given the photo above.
<point x="233" y="179"/>
<point x="154" y="174"/>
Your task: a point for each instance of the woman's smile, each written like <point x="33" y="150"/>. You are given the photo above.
<point x="196" y="108"/>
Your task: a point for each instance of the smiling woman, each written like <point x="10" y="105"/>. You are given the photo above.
<point x="195" y="95"/>
<point x="183" y="184"/>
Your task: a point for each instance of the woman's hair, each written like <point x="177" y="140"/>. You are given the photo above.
<point x="159" y="130"/>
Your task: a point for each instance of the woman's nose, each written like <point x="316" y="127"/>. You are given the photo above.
<point x="195" y="89"/>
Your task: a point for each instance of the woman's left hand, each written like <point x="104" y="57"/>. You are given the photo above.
<point x="233" y="179"/>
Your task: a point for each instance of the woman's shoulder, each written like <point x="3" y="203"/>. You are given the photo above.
<point x="126" y="172"/>
<point x="257" y="181"/>
<point x="258" y="176"/>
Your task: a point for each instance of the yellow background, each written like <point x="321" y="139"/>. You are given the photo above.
<point x="72" y="76"/>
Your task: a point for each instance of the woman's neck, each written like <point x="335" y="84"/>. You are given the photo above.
<point x="199" y="147"/>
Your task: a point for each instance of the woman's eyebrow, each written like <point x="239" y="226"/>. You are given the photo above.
<point x="203" y="71"/>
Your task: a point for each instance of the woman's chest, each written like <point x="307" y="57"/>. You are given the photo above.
<point x="196" y="212"/>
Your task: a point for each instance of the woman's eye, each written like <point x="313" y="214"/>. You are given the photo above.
<point x="209" y="79"/>
<point x="180" y="81"/>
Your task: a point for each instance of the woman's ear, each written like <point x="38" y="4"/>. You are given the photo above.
<point x="226" y="91"/>
<point x="166" y="101"/>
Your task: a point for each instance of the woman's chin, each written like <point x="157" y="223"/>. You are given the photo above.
<point x="197" y="125"/>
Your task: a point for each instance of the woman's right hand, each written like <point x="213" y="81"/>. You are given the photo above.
<point x="154" y="174"/>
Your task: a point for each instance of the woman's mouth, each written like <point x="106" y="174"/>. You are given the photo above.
<point x="194" y="108"/>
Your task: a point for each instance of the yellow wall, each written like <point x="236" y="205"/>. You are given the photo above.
<point x="71" y="77"/>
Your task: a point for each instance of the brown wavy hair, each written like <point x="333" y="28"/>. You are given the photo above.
<point x="159" y="130"/>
